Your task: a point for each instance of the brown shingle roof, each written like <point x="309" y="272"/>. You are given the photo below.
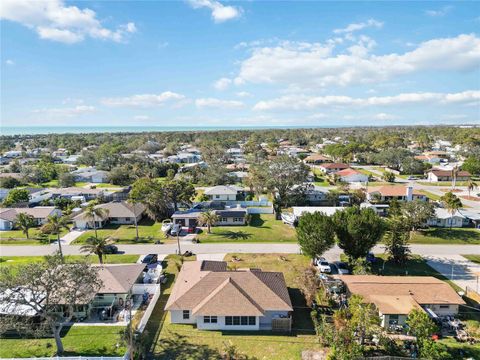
<point x="118" y="278"/>
<point x="118" y="210"/>
<point x="228" y="292"/>
<point x="393" y="190"/>
<point x="39" y="212"/>
<point x="449" y="173"/>
<point x="423" y="289"/>
<point x="334" y="166"/>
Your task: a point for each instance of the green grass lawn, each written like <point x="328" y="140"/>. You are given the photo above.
<point x="148" y="231"/>
<point x="110" y="259"/>
<point x="180" y="342"/>
<point x="106" y="185"/>
<point x="454" y="236"/>
<point x="17" y="237"/>
<point x="474" y="258"/>
<point x="78" y="340"/>
<point x="262" y="228"/>
<point x="442" y="183"/>
<point x="430" y="195"/>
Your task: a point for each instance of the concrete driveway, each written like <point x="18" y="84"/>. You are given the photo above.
<point x="461" y="271"/>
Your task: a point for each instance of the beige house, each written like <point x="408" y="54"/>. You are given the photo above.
<point x="212" y="297"/>
<point x="390" y="192"/>
<point x="332" y="167"/>
<point x="395" y="296"/>
<point x="121" y="213"/>
<point x="39" y="214"/>
<point x="447" y="175"/>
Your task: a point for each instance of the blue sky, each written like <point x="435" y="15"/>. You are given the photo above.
<point x="218" y="63"/>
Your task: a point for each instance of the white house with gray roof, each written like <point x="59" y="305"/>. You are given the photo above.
<point x="224" y="192"/>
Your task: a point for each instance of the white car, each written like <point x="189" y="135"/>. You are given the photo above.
<point x="166" y="225"/>
<point x="176" y="229"/>
<point x="324" y="266"/>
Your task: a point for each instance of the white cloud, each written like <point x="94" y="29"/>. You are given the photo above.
<point x="385" y="116"/>
<point x="303" y="102"/>
<point x="9" y="62"/>
<point x="141" y="117"/>
<point x="54" y="20"/>
<point x="145" y="100"/>
<point x="243" y="94"/>
<point x="66" y="112"/>
<point x="220" y="12"/>
<point x="359" y="26"/>
<point x="440" y="12"/>
<point x="318" y="116"/>
<point x="218" y="103"/>
<point x="222" y="83"/>
<point x="454" y="117"/>
<point x="307" y="65"/>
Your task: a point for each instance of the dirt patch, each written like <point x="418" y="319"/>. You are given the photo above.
<point x="471" y="198"/>
<point x="451" y="190"/>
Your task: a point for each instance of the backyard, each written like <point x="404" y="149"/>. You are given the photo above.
<point x="77" y="340"/>
<point x="454" y="236"/>
<point x="109" y="259"/>
<point x="174" y="341"/>
<point x="148" y="232"/>
<point x="262" y="228"/>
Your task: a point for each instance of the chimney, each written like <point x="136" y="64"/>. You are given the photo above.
<point x="409" y="193"/>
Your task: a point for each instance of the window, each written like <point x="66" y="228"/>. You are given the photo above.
<point x="223" y="219"/>
<point x="128" y="219"/>
<point x="217" y="196"/>
<point x="237" y="219"/>
<point x="444" y="306"/>
<point x="239" y="320"/>
<point x="392" y="319"/>
<point x="186" y="314"/>
<point x="210" y="319"/>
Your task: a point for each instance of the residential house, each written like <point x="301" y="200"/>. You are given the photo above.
<point x="212" y="297"/>
<point x="224" y="192"/>
<point x="39" y="213"/>
<point x="316" y="159"/>
<point x="388" y="193"/>
<point x="351" y="176"/>
<point x="460" y="218"/>
<point x="396" y="296"/>
<point x="91" y="174"/>
<point x="121" y="213"/>
<point x="226" y="217"/>
<point x="332" y="167"/>
<point x="298" y="211"/>
<point x="436" y="175"/>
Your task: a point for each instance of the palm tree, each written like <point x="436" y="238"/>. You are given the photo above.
<point x="454" y="176"/>
<point x="92" y="213"/>
<point x="55" y="224"/>
<point x="471" y="185"/>
<point x="24" y="222"/>
<point x="208" y="218"/>
<point x="452" y="203"/>
<point x="96" y="246"/>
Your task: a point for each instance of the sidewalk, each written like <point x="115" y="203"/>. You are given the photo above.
<point x="71" y="236"/>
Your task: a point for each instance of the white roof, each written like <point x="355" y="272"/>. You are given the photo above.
<point x="8" y="307"/>
<point x="223" y="190"/>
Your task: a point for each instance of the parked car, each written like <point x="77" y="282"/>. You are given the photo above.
<point x="166" y="225"/>
<point x="324" y="266"/>
<point x="150" y="259"/>
<point x="110" y="249"/>
<point x="342" y="268"/>
<point x="411" y="177"/>
<point x="371" y="257"/>
<point x="176" y="229"/>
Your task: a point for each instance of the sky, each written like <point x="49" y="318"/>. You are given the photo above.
<point x="249" y="63"/>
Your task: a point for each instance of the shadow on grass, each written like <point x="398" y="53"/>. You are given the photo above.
<point x="256" y="220"/>
<point x="178" y="347"/>
<point x="234" y="235"/>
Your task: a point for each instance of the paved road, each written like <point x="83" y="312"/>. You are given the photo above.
<point x="223" y="248"/>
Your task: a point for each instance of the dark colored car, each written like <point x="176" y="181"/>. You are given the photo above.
<point x="111" y="249"/>
<point x="150" y="259"/>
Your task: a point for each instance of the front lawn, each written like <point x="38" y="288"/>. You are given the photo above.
<point x="109" y="259"/>
<point x="77" y="340"/>
<point x="186" y="342"/>
<point x="148" y="232"/>
<point x="452" y="236"/>
<point x="262" y="228"/>
<point x="430" y="195"/>
<point x="474" y="258"/>
<point x="17" y="237"/>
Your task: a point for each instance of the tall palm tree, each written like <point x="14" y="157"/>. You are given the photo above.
<point x="55" y="224"/>
<point x="455" y="171"/>
<point x="96" y="246"/>
<point x="208" y="218"/>
<point x="452" y="203"/>
<point x="92" y="213"/>
<point x="471" y="185"/>
<point x="24" y="222"/>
